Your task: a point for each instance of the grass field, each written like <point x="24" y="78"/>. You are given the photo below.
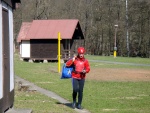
<point x="99" y="96"/>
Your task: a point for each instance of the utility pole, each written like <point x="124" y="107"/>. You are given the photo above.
<point x="127" y="32"/>
<point x="115" y="46"/>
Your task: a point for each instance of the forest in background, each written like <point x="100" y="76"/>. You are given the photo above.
<point x="97" y="19"/>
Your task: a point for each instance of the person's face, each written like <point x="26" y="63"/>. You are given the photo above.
<point x="81" y="55"/>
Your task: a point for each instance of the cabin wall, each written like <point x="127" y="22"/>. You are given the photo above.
<point x="44" y="49"/>
<point x="47" y="49"/>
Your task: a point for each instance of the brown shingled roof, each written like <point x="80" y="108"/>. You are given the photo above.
<point x="48" y="29"/>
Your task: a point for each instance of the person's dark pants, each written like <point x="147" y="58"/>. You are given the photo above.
<point x="78" y="85"/>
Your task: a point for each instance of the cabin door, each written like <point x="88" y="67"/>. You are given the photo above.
<point x="6" y="58"/>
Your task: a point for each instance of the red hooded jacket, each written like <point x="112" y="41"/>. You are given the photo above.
<point x="79" y="65"/>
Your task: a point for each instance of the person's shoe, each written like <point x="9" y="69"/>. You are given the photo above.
<point x="79" y="106"/>
<point x="74" y="105"/>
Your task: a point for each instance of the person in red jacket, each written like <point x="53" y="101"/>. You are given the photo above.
<point x="81" y="67"/>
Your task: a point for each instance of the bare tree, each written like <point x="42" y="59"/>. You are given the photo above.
<point x="97" y="19"/>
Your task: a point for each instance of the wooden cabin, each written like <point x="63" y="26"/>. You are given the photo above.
<point x="38" y="40"/>
<point x="6" y="54"/>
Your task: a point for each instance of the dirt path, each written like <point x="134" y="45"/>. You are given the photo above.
<point x="117" y="74"/>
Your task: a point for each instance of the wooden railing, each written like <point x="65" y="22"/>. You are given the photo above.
<point x="66" y="54"/>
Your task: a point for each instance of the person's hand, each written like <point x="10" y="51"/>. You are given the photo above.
<point x="83" y="71"/>
<point x="74" y="58"/>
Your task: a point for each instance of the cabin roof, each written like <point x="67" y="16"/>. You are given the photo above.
<point x="48" y="29"/>
<point x="23" y="31"/>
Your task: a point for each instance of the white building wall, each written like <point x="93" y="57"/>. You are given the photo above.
<point x="11" y="49"/>
<point x="3" y="5"/>
<point x="1" y="65"/>
<point x="20" y="49"/>
<point x="25" y="49"/>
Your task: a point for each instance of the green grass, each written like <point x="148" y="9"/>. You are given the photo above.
<point x="122" y="97"/>
<point x="99" y="97"/>
<point x="39" y="103"/>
